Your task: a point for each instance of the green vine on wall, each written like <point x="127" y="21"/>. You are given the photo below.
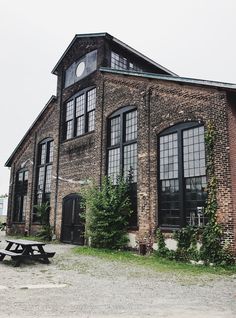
<point x="212" y="249"/>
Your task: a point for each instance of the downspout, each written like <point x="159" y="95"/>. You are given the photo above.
<point x="149" y="94"/>
<point x="57" y="170"/>
<point x="102" y="125"/>
<point x="33" y="185"/>
<point x="11" y="201"/>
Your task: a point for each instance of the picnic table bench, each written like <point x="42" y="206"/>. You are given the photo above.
<point x="19" y="250"/>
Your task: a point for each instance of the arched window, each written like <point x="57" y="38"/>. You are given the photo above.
<point x="21" y="189"/>
<point x="44" y="172"/>
<point x="122" y="150"/>
<point x="182" y="175"/>
<point x="79" y="114"/>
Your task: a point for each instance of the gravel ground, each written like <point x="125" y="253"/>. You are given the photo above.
<point x="85" y="286"/>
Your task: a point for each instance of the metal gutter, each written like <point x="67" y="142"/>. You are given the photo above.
<point x="184" y="80"/>
<point x="53" y="98"/>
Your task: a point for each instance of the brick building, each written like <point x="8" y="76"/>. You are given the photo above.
<point x="115" y="109"/>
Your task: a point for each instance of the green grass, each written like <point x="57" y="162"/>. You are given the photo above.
<point x="154" y="262"/>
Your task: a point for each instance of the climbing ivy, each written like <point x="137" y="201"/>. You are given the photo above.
<point x="212" y="249"/>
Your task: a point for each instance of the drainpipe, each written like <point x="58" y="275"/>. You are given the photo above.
<point x="58" y="154"/>
<point x="149" y="94"/>
<point x="102" y="125"/>
<point x="33" y="185"/>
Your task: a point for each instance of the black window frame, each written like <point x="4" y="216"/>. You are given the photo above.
<point x="117" y="60"/>
<point x="85" y="116"/>
<point x="122" y="113"/>
<point x="179" y="129"/>
<point x="21" y="191"/>
<point x="45" y="195"/>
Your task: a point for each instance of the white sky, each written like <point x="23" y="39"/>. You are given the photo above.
<point x="193" y="38"/>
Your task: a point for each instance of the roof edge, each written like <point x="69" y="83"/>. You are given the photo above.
<point x="169" y="78"/>
<point x="8" y="162"/>
<point x="126" y="46"/>
<point x="85" y="35"/>
<point x="119" y="42"/>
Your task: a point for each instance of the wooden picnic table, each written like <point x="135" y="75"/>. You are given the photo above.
<point x="19" y="250"/>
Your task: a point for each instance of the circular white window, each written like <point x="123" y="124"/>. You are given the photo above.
<point x="80" y="69"/>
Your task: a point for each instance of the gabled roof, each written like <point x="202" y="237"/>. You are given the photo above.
<point x="115" y="40"/>
<point x="178" y="79"/>
<point x="8" y="163"/>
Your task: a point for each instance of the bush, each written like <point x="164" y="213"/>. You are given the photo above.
<point x="162" y="251"/>
<point x="45" y="233"/>
<point x="42" y="212"/>
<point x="108" y="210"/>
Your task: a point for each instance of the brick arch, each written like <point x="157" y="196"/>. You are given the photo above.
<point x="170" y="123"/>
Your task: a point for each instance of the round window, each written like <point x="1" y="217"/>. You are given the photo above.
<point x="80" y="69"/>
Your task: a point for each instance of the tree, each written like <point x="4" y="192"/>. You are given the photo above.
<point x="108" y="209"/>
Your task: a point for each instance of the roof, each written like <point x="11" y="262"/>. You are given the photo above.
<point x="183" y="80"/>
<point x="115" y="40"/>
<point x="8" y="162"/>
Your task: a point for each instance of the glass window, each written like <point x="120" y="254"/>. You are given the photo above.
<point x="80" y="114"/>
<point x="44" y="174"/>
<point x="20" y="196"/>
<point x="122" y="151"/>
<point x="118" y="62"/>
<point x="182" y="176"/>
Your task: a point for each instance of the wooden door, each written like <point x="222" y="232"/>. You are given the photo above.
<point x="72" y="226"/>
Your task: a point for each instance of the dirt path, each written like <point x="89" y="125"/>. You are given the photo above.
<point x="83" y="286"/>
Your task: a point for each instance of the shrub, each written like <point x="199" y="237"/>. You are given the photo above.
<point x="162" y="251"/>
<point x="108" y="210"/>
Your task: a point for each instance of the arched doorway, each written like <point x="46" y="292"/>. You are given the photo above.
<point x="72" y="226"/>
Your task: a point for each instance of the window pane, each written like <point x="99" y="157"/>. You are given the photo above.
<point x="130" y="161"/>
<point x="50" y="151"/>
<point x="114" y="164"/>
<point x="194" y="152"/>
<point x="48" y="179"/>
<point x="131" y="126"/>
<point x="118" y="62"/>
<point x="20" y="176"/>
<point x="80" y="103"/>
<point x="91" y="120"/>
<point x="69" y="129"/>
<point x="91" y="99"/>
<point x="168" y="157"/>
<point x="195" y="196"/>
<point x="40" y="179"/>
<point x="80" y="126"/>
<point x="43" y="154"/>
<point x="170" y="203"/>
<point x="70" y="110"/>
<point x="23" y="210"/>
<point x="25" y="175"/>
<point x="115" y="131"/>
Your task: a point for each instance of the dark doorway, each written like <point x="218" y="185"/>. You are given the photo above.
<point x="72" y="226"/>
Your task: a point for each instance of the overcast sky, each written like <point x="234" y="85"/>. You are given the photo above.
<point x="193" y="38"/>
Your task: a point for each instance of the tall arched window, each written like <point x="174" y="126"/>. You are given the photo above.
<point x="44" y="172"/>
<point x="21" y="189"/>
<point x="122" y="150"/>
<point x="182" y="175"/>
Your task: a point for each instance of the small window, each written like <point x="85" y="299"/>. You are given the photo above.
<point x="118" y="62"/>
<point x="79" y="114"/>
